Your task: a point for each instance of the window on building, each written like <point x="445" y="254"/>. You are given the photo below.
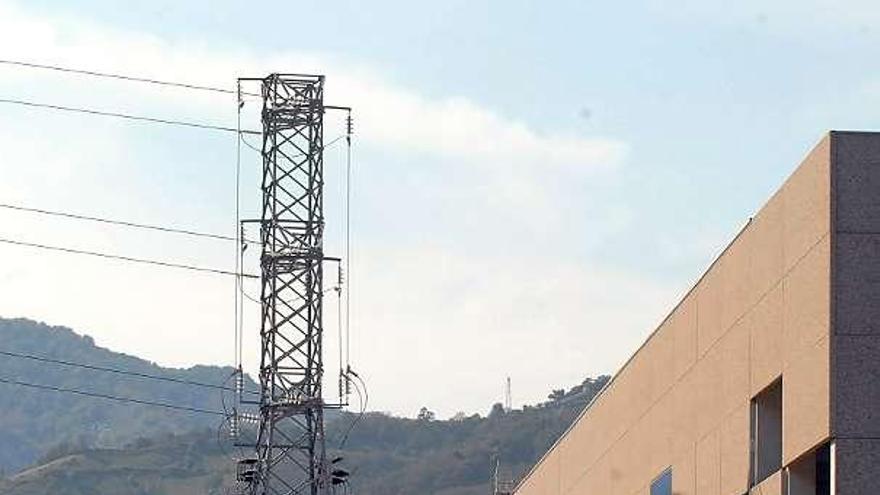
<point x="662" y="485"/>
<point x="811" y="474"/>
<point x="766" y="433"/>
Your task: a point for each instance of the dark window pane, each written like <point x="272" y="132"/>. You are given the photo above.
<point x="766" y="433"/>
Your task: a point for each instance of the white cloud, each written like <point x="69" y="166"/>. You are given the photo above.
<point x="516" y="166"/>
<point x="452" y="322"/>
<point x="459" y="128"/>
<point x="426" y="318"/>
<point x="388" y="116"/>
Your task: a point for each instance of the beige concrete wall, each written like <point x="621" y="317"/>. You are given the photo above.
<point x="760" y="311"/>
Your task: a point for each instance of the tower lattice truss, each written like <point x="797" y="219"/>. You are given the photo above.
<point x="290" y="447"/>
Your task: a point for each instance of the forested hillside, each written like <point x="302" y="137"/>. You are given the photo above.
<point x="33" y="422"/>
<point x="455" y="457"/>
<point x="387" y="455"/>
<point x="83" y="445"/>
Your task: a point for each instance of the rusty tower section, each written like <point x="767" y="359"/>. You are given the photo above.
<point x="290" y="449"/>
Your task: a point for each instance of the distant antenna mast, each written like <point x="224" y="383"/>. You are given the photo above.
<point x="508" y="401"/>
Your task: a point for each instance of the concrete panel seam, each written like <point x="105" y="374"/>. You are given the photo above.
<point x="763" y="296"/>
<point x="678" y="380"/>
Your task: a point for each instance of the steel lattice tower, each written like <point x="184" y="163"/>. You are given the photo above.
<point x="291" y="457"/>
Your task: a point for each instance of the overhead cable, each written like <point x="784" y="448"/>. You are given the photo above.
<point x="123" y="223"/>
<point x="105" y="369"/>
<point x="123" y="77"/>
<point x="132" y="400"/>
<point x="349" y="131"/>
<point x="364" y="397"/>
<point x="124" y="258"/>
<point x="126" y="116"/>
<point x="328" y="145"/>
<point x="239" y="232"/>
<point x="110" y="75"/>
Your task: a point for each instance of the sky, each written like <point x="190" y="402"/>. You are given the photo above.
<point x="535" y="184"/>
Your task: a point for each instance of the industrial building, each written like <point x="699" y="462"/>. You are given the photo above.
<point x="765" y="378"/>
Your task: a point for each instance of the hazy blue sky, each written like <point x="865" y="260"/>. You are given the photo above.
<point x="536" y="182"/>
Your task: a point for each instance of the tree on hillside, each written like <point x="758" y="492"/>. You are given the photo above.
<point x="426" y="415"/>
<point x="497" y="411"/>
<point x="459" y="416"/>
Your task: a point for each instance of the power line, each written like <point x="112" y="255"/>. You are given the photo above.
<point x="349" y="130"/>
<point x="126" y="116"/>
<point x="110" y="75"/>
<point x="123" y="77"/>
<point x="328" y="145"/>
<point x="125" y="258"/>
<point x="105" y="369"/>
<point x="123" y="223"/>
<point x="364" y="396"/>
<point x="239" y="232"/>
<point x="110" y="397"/>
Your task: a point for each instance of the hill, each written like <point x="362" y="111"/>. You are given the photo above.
<point x="387" y="455"/>
<point x="82" y="445"/>
<point x="398" y="456"/>
<point x="34" y="422"/>
<point x="187" y="464"/>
